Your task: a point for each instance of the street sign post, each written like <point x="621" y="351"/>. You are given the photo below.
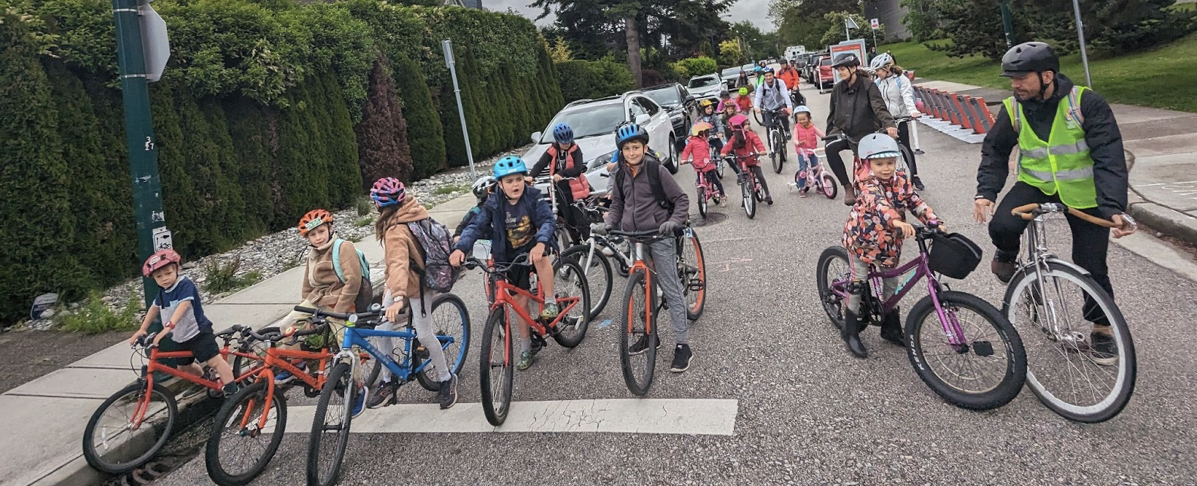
<point x="849" y="24"/>
<point x="465" y="133"/>
<point x="875" y="24"/>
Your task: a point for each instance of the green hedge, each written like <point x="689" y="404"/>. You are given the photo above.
<point x="260" y="116"/>
<point x="593" y="79"/>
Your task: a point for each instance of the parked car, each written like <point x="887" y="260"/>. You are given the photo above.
<point x="594" y="122"/>
<point x="682" y="107"/>
<point x="706" y="86"/>
<point x="825" y="78"/>
<point x="730" y="76"/>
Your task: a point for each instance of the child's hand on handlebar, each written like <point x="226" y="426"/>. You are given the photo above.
<point x="394" y="309"/>
<point x="456" y="258"/>
<point x="906" y="229"/>
<point x="537" y="253"/>
<point x="137" y="335"/>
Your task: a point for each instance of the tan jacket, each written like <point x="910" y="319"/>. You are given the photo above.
<point x="323" y="287"/>
<point x="401" y="249"/>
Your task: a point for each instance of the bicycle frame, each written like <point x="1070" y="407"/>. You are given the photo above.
<point x="403" y="371"/>
<point x="155" y="365"/>
<point x="504" y="297"/>
<point x="1038" y="256"/>
<point x="281" y="359"/>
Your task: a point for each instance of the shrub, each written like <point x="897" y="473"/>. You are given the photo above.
<point x="425" y="133"/>
<point x="593" y="79"/>
<point x="223" y="277"/>
<point x="95" y="317"/>
<point x="695" y="66"/>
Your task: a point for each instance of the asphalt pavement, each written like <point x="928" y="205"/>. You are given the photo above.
<point x="806" y="411"/>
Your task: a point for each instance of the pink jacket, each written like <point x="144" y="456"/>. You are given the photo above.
<point x="700" y="149"/>
<point x="806" y="139"/>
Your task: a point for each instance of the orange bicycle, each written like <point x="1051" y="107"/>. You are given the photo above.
<point x="249" y="426"/>
<point x="642" y="301"/>
<point x="133" y="424"/>
<point x="497" y="364"/>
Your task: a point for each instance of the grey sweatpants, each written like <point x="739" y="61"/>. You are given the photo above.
<point x="422" y="322"/>
<point x="666" y="277"/>
<point x="860" y="273"/>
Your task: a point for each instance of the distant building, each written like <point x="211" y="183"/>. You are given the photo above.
<point x="890" y="12"/>
<point x="464" y="3"/>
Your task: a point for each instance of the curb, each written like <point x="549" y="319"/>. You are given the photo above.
<point x="1167" y="221"/>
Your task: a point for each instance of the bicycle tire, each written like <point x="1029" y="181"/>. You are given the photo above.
<point x="496" y="326"/>
<point x="1120" y="394"/>
<point x="779" y="150"/>
<point x="600" y="273"/>
<point x="702" y="202"/>
<point x="830" y="189"/>
<point x="833" y="304"/>
<point x="747" y="198"/>
<point x="757" y="116"/>
<point x="903" y="164"/>
<point x="696" y="284"/>
<point x="461" y="342"/>
<point x="569" y="272"/>
<point x="339" y="378"/>
<point x="1013" y="376"/>
<point x="719" y="168"/>
<point x="107" y="461"/>
<point x="232" y="410"/>
<point x="637" y="289"/>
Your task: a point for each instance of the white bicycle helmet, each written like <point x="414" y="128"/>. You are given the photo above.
<point x="878" y="146"/>
<point x="482" y="187"/>
<point x="881" y="61"/>
<point x="802" y="109"/>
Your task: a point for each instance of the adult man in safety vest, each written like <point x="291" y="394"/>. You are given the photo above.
<point x="1070" y="152"/>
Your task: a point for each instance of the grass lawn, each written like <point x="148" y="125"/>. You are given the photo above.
<point x="1160" y="78"/>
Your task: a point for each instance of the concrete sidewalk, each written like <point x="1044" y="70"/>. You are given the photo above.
<point x="1161" y="148"/>
<point x="46" y="417"/>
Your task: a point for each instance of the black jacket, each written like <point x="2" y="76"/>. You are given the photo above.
<point x="857" y="109"/>
<point x="1101" y="134"/>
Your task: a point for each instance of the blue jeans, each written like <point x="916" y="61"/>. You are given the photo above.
<point x="802" y="161"/>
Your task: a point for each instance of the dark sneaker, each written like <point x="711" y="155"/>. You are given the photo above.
<point x="549" y="313"/>
<point x="918" y="183"/>
<point x="284" y="377"/>
<point x="526" y="360"/>
<point x="641" y="345"/>
<point x="769" y="200"/>
<point x="230" y="389"/>
<point x="359" y="405"/>
<point x="919" y="152"/>
<point x="448" y="393"/>
<point x="681" y="358"/>
<point x="1004" y="270"/>
<point x="1102" y="349"/>
<point x="384" y="395"/>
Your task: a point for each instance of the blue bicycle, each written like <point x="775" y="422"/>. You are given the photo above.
<point x="334" y="411"/>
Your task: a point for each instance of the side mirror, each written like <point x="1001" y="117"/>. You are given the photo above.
<point x="643" y="119"/>
<point x="690" y="98"/>
<point x="536" y="137"/>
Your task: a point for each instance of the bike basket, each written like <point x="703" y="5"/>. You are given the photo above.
<point x="953" y="255"/>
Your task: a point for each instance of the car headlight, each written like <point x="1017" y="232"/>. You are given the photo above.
<point x="600" y="160"/>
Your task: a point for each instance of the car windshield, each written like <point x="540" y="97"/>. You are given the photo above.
<point x="588" y="121"/>
<point x="825" y="62"/>
<point x="666" y="96"/>
<point x="704" y="82"/>
<point x="731" y="72"/>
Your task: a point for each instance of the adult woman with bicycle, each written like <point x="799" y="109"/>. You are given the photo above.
<point x="857" y="110"/>
<point x="899" y="99"/>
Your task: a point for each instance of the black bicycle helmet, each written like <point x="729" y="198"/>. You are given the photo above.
<point x="1029" y="57"/>
<point x="846" y="60"/>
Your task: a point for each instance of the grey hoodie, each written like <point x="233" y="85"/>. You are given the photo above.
<point x="640" y="211"/>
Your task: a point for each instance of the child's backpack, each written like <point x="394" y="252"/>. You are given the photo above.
<point x="365" y="294"/>
<point x="437" y="243"/>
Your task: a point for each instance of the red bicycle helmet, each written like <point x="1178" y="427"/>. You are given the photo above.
<point x="159" y="259"/>
<point x="313" y="219"/>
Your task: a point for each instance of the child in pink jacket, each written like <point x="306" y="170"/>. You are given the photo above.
<point x="806" y="140"/>
<point x="698" y="152"/>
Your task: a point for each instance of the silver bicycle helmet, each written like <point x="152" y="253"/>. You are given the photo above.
<point x="482" y="187"/>
<point x="877" y="146"/>
<point x="881" y="61"/>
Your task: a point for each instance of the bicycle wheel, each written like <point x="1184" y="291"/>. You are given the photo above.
<point x="903" y="163"/>
<point x="112" y="443"/>
<point x="569" y="281"/>
<point x="747" y="198"/>
<point x="638" y="322"/>
<point x="702" y="202"/>
<point x="449" y="320"/>
<point x="1058" y="326"/>
<point x="830" y="188"/>
<point x="496" y="367"/>
<point x="330" y="426"/>
<point x="719" y="164"/>
<point x="693" y="271"/>
<point x="241" y="446"/>
<point x="598" y="275"/>
<point x="985" y="372"/>
<point x="779" y="150"/>
<point x="833" y="267"/>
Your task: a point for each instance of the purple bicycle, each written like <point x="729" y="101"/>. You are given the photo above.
<point x="973" y="358"/>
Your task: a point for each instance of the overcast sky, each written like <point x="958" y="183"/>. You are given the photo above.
<point x="751" y="10"/>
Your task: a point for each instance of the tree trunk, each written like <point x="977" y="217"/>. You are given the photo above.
<point x="633" y="37"/>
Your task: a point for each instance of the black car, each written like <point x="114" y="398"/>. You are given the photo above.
<point x="682" y="107"/>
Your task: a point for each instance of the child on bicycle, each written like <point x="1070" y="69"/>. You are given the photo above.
<point x="698" y="152"/>
<point x="519" y="222"/>
<point x="635" y="207"/>
<point x="563" y="159"/>
<point x="481" y="190"/>
<point x="874" y="234"/>
<point x="747" y="146"/>
<point x="743" y="102"/>
<point x="405" y="267"/>
<point x="706" y="113"/>
<point x="806" y="140"/>
<point x="178" y="301"/>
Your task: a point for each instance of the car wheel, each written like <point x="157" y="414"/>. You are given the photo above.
<point x="672" y="165"/>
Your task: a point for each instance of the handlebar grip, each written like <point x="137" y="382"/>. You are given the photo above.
<point x="306" y="310"/>
<point x="1026" y="211"/>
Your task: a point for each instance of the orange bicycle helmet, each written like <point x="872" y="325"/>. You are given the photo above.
<point x="313" y="219"/>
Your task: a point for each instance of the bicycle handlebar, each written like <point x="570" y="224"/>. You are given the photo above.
<point x="520" y="261"/>
<point x="320" y="315"/>
<point x="645" y="235"/>
<point x="1030" y="211"/>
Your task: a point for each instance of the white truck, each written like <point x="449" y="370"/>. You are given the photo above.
<point x="792" y="52"/>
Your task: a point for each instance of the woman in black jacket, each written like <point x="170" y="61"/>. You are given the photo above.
<point x="857" y="109"/>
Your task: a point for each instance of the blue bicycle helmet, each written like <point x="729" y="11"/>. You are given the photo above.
<point x="767" y="70"/>
<point x="629" y="132"/>
<point x="563" y="134"/>
<point x="756" y="69"/>
<point x="510" y="165"/>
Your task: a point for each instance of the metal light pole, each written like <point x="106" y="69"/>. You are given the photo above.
<point x="139" y="135"/>
<point x="465" y="133"/>
<point x="1008" y="23"/>
<point x="1080" y="32"/>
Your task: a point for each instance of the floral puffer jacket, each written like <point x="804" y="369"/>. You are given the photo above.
<point x="868" y="234"/>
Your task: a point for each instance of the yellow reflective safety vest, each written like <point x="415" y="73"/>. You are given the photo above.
<point x="1061" y="164"/>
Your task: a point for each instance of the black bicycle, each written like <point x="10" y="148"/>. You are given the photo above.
<point x="778" y="133"/>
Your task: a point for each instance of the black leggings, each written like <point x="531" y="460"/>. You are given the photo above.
<point x="714" y="180"/>
<point x="835" y="162"/>
<point x="760" y="178"/>
<point x="904" y="139"/>
<point x="575" y="220"/>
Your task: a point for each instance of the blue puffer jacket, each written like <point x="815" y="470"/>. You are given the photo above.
<point x="492" y="214"/>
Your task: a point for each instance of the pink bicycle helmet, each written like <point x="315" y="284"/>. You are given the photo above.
<point x="388" y="191"/>
<point x="159" y="259"/>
